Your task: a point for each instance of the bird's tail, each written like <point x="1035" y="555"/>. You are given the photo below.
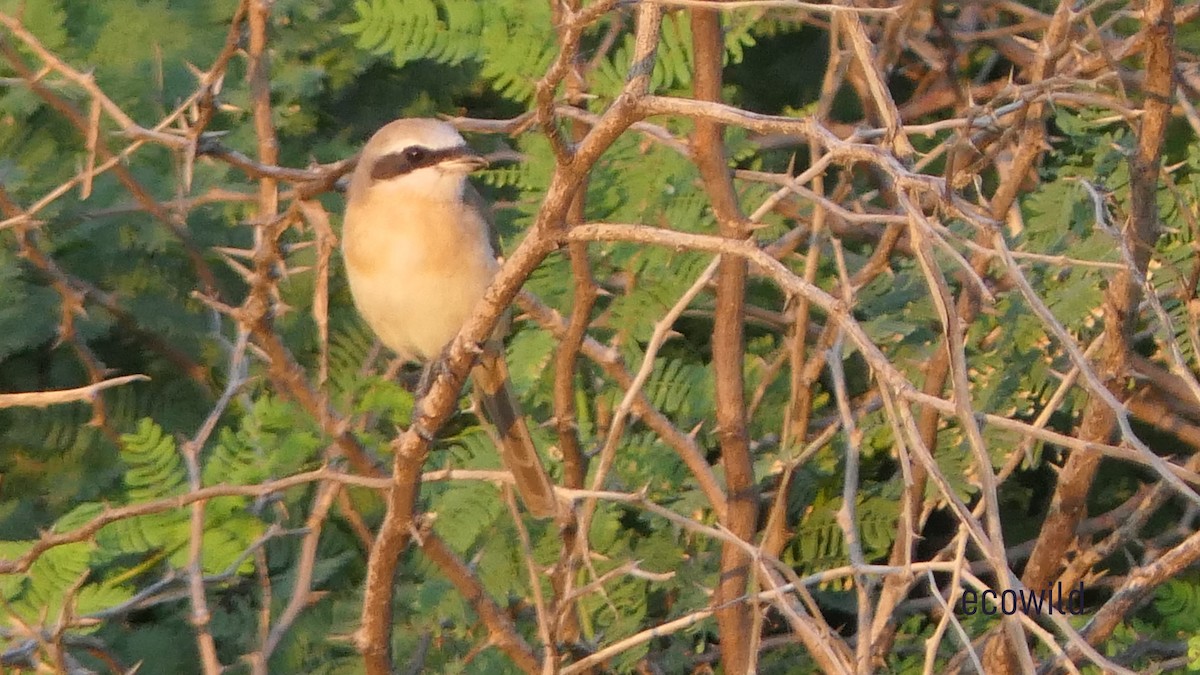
<point x="517" y="451"/>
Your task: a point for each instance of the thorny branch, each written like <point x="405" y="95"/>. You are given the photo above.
<point x="867" y="183"/>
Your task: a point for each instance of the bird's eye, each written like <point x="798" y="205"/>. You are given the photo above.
<point x="414" y="155"/>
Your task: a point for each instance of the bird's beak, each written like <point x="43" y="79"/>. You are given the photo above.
<point x="465" y="160"/>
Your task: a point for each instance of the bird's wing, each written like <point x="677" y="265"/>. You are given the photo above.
<point x="499" y="402"/>
<point x="476" y="201"/>
<point x="517" y="451"/>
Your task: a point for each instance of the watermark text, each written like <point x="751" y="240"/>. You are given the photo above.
<point x="1025" y="600"/>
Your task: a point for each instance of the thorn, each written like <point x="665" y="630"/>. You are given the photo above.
<point x="420" y="430"/>
<point x="416" y="534"/>
<point x="242" y="271"/>
<point x="189" y="153"/>
<point x="236" y="252"/>
<point x="298" y="246"/>
<point x="217" y="305"/>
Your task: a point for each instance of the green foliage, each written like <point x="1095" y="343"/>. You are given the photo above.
<point x="1178" y="602"/>
<point x="89" y="572"/>
<point x="513" y="40"/>
<point x="268" y="443"/>
<point x="1170" y="616"/>
<point x="337" y="71"/>
<point x="466" y="513"/>
<point x="820" y="543"/>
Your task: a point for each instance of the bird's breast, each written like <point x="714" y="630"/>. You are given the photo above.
<point x="416" y="268"/>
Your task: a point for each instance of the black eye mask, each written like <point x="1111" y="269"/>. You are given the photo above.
<point x="415" y="157"/>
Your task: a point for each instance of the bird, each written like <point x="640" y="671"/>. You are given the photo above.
<point x="419" y="249"/>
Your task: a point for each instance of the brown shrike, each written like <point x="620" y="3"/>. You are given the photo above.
<point x="419" y="255"/>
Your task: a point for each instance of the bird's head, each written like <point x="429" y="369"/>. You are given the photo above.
<point x="425" y="157"/>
